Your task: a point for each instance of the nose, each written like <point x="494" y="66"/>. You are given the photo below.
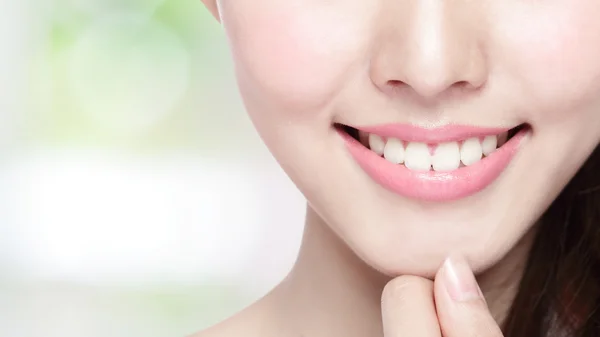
<point x="430" y="47"/>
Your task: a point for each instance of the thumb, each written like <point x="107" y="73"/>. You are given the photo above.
<point x="461" y="308"/>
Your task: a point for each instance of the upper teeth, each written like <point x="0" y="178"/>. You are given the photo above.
<point x="376" y="144"/>
<point x="417" y="157"/>
<point x="445" y="157"/>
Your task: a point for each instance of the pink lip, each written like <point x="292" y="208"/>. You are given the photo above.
<point x="450" y="133"/>
<point x="431" y="185"/>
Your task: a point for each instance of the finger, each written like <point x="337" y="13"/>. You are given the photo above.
<point x="461" y="308"/>
<point x="408" y="309"/>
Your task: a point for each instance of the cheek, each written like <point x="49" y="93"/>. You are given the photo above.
<point x="556" y="54"/>
<point x="296" y="57"/>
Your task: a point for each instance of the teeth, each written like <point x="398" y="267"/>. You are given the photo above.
<point x="446" y="157"/>
<point x="489" y="144"/>
<point x="471" y="151"/>
<point x="376" y="144"/>
<point x="417" y="157"/>
<point x="394" y="151"/>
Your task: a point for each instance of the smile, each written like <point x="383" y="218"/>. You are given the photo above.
<point x="442" y="164"/>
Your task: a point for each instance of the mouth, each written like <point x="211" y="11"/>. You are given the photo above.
<point x="442" y="164"/>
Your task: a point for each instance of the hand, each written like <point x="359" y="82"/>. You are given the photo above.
<point x="451" y="306"/>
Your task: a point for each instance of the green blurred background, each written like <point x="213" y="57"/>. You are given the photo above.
<point x="135" y="197"/>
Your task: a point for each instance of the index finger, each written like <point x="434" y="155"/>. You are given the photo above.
<point x="408" y="309"/>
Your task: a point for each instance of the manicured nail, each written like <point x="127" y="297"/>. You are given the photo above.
<point x="460" y="281"/>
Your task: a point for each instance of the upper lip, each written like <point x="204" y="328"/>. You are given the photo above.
<point x="446" y="133"/>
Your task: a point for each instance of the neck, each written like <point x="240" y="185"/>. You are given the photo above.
<point x="330" y="291"/>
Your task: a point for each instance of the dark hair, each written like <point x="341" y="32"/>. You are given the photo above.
<point x="559" y="293"/>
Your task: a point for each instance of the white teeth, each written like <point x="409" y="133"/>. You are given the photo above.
<point x="394" y="151"/>
<point x="489" y="144"/>
<point x="376" y="144"/>
<point x="471" y="151"/>
<point x="417" y="157"/>
<point x="446" y="157"/>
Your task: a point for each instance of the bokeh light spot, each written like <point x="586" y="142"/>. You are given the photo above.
<point x="127" y="73"/>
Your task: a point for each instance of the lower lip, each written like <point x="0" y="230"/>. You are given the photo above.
<point x="431" y="185"/>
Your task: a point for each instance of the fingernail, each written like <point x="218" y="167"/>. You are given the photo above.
<point x="460" y="281"/>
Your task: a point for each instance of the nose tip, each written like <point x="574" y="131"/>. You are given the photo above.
<point x="431" y="84"/>
<point x="429" y="54"/>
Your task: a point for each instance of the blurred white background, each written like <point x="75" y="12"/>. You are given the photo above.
<point x="135" y="197"/>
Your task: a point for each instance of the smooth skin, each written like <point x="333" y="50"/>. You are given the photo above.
<point x="368" y="255"/>
<point x="451" y="306"/>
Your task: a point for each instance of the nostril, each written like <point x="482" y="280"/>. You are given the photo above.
<point x="396" y="84"/>
<point x="395" y="87"/>
<point x="462" y="85"/>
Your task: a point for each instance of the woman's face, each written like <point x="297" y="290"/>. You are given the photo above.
<point x="438" y="84"/>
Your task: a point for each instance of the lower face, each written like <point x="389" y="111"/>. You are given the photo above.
<point x="408" y="167"/>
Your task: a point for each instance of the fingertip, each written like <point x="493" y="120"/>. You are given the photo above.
<point x="459" y="280"/>
<point x="408" y="306"/>
<point x="460" y="304"/>
<point x="397" y="287"/>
